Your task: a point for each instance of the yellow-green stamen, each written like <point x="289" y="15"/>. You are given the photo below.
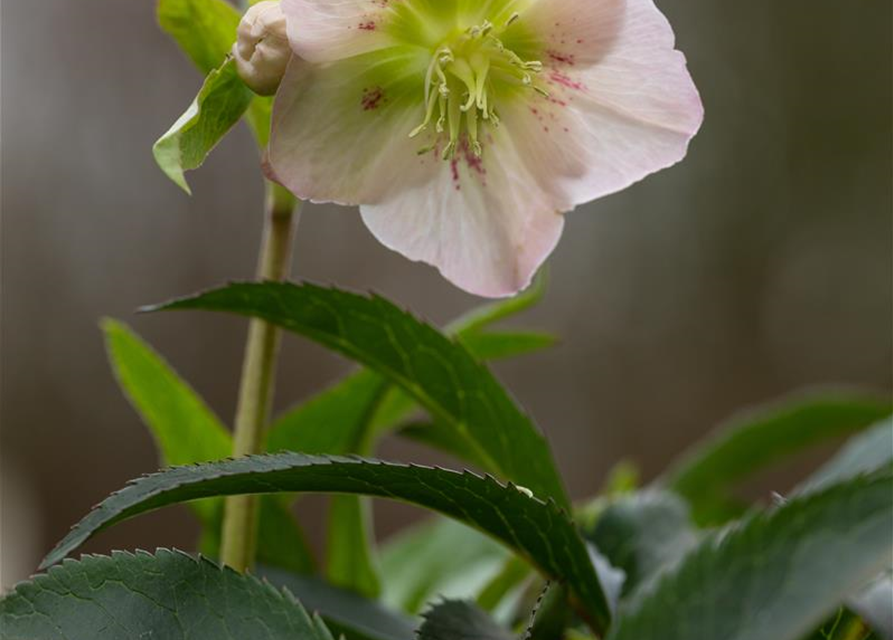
<point x="459" y="86"/>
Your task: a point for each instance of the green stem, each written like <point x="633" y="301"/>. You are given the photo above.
<point x="239" y="539"/>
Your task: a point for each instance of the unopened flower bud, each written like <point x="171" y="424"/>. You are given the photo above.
<point x="261" y="49"/>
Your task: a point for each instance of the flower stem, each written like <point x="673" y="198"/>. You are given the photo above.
<point x="239" y="539"/>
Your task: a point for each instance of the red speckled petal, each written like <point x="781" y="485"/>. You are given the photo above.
<point x="326" y="30"/>
<point x="607" y="125"/>
<point x="486" y="223"/>
<point x="337" y="136"/>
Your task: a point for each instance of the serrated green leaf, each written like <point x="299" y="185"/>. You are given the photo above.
<point x="168" y="595"/>
<point x="204" y="29"/>
<point x="776" y="575"/>
<point x="460" y="620"/>
<point x="539" y="531"/>
<point x="361" y="409"/>
<point x="187" y="431"/>
<point x="439" y="373"/>
<point x="219" y="105"/>
<point x="759" y="437"/>
<point x="440" y="557"/>
<point x="644" y="534"/>
<point x="344" y="612"/>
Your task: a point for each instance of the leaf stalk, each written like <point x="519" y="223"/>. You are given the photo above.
<point x="239" y="535"/>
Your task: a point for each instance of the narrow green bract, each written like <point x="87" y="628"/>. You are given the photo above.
<point x="219" y="105"/>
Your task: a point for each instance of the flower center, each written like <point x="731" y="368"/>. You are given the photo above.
<point x="464" y="79"/>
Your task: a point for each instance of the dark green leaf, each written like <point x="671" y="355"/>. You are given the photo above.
<point x="439" y="373"/>
<point x="644" y="534"/>
<point x="755" y="439"/>
<point x="343" y="611"/>
<point x="337" y="421"/>
<point x="218" y="106"/>
<point x="204" y="29"/>
<point x="459" y="620"/>
<point x="537" y="530"/>
<point x="776" y="575"/>
<point x="438" y="558"/>
<point x="358" y="411"/>
<point x="168" y="595"/>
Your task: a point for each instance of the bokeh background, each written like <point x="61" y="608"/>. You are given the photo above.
<point x="759" y="265"/>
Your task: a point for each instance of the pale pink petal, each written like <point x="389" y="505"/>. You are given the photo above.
<point x="485" y="223"/>
<point x="573" y="31"/>
<point x="339" y="137"/>
<point x="608" y="125"/>
<point x="325" y="30"/>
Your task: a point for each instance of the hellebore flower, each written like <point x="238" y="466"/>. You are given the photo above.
<point x="465" y="128"/>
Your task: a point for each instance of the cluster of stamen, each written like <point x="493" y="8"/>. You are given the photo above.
<point x="459" y="87"/>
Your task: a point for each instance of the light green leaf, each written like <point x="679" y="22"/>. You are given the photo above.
<point x="460" y="620"/>
<point x="862" y="454"/>
<point x="498" y="590"/>
<point x="219" y="105"/>
<point x="439" y="557"/>
<point x="843" y="625"/>
<point x="350" y="562"/>
<point x="168" y="595"/>
<point x="776" y="575"/>
<point x="439" y="373"/>
<point x="344" y="612"/>
<point x="204" y="29"/>
<point x="186" y="431"/>
<point x="539" y="531"/>
<point x="491" y="313"/>
<point x="496" y="345"/>
<point x="759" y="437"/>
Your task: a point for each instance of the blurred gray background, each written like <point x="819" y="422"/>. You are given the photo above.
<point x="759" y="265"/>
